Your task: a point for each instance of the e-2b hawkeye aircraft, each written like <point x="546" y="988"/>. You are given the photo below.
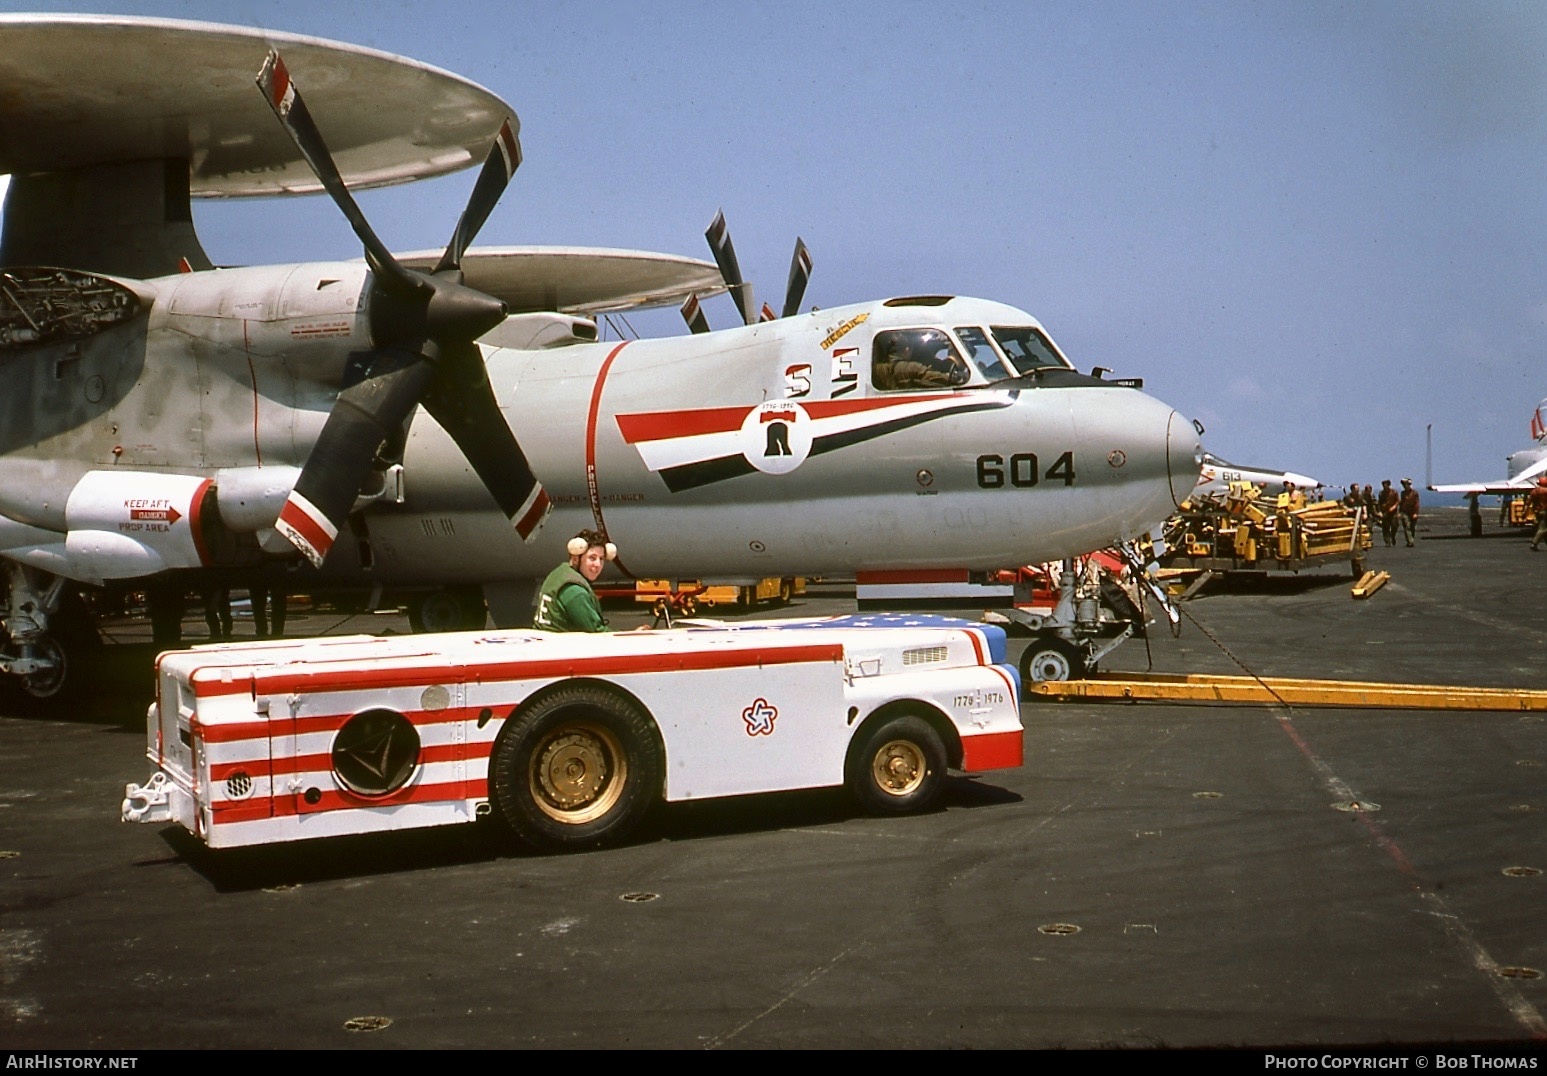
<point x="414" y="422"/>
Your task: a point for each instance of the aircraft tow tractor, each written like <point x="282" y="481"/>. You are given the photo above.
<point x="568" y="739"/>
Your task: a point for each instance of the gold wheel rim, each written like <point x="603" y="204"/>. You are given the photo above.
<point x="578" y="773"/>
<point x="899" y="768"/>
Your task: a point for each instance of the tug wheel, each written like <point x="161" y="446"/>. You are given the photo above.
<point x="578" y="769"/>
<point x="899" y="766"/>
<point x="1050" y="658"/>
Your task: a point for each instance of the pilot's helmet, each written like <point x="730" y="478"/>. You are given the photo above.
<point x="1542" y="481"/>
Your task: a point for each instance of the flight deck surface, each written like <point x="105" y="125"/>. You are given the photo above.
<point x="1154" y="875"/>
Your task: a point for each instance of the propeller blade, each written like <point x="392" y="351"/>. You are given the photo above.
<point x="285" y="99"/>
<point x="462" y="401"/>
<point x="800" y="276"/>
<point x="501" y="164"/>
<point x="367" y="413"/>
<point x="767" y="314"/>
<point x="693" y="314"/>
<point x="424" y="328"/>
<point x="719" y="237"/>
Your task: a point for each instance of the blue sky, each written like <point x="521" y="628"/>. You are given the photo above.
<point x="1317" y="227"/>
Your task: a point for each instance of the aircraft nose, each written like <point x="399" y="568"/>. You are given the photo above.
<point x="1184" y="456"/>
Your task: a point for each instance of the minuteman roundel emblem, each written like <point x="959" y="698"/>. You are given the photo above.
<point x="776" y="437"/>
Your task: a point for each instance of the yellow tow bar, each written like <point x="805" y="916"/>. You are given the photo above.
<point x="1271" y="691"/>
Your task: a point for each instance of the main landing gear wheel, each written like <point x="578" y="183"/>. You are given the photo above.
<point x="579" y="769"/>
<point x="452" y="609"/>
<point x="898" y="767"/>
<point x="1050" y="659"/>
<point x="54" y="683"/>
<point x="74" y="650"/>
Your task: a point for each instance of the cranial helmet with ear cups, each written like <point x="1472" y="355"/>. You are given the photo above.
<point x="585" y="540"/>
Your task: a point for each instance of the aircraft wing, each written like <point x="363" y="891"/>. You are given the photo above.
<point x="1519" y="484"/>
<point x="99" y="89"/>
<point x="579" y="280"/>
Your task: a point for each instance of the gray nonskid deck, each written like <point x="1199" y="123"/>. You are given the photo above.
<point x="1152" y="876"/>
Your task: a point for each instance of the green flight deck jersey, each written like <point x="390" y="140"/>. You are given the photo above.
<point x="567" y="603"/>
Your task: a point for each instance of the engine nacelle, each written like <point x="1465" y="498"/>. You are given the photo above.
<point x="123" y="524"/>
<point x="250" y="497"/>
<point x="274" y="310"/>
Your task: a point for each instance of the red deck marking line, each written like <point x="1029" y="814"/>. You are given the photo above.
<point x="993" y="751"/>
<point x="1519" y="1006"/>
<point x="285" y="681"/>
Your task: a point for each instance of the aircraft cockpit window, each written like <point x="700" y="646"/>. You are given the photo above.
<point x="917" y="359"/>
<point x="1027" y="348"/>
<point x="987" y="360"/>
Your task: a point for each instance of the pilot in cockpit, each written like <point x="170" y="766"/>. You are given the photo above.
<point x="917" y="359"/>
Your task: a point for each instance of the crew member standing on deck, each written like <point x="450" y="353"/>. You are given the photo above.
<point x="1386" y="509"/>
<point x="1538" y="498"/>
<point x="567" y="602"/>
<point x="1407" y="508"/>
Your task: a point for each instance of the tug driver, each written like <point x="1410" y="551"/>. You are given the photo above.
<point x="566" y="601"/>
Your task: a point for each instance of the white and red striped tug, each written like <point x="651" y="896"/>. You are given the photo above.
<point x="568" y="738"/>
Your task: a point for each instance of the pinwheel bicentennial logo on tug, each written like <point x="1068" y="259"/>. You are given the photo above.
<point x="760" y="717"/>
